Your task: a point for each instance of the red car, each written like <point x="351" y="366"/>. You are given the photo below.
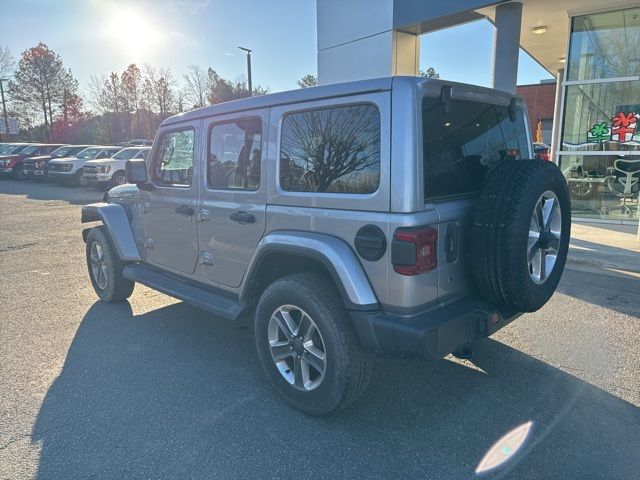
<point x="12" y="163"/>
<point x="542" y="151"/>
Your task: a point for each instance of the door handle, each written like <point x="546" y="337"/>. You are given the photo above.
<point x="186" y="210"/>
<point x="242" y="217"/>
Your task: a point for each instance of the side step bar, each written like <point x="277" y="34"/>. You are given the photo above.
<point x="198" y="297"/>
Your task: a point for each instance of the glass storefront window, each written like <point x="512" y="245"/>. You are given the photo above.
<point x="603" y="186"/>
<point x="605" y="45"/>
<point x="592" y="118"/>
<point x="600" y="140"/>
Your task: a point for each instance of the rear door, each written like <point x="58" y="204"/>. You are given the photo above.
<point x="232" y="202"/>
<point x="459" y="149"/>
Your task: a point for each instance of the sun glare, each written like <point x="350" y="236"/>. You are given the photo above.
<point x="131" y="31"/>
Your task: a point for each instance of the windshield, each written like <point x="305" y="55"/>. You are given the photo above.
<point x="30" y="149"/>
<point x="17" y="149"/>
<point x="62" y="152"/>
<point x="460" y="148"/>
<point x="125" y="154"/>
<point x="88" y="153"/>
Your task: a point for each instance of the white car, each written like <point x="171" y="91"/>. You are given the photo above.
<point x="69" y="169"/>
<point x="109" y="172"/>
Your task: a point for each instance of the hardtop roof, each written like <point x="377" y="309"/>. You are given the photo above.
<point x="329" y="91"/>
<point x="283" y="98"/>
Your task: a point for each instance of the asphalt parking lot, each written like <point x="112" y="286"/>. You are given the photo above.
<point x="154" y="388"/>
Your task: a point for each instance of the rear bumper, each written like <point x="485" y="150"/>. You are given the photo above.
<point x="432" y="334"/>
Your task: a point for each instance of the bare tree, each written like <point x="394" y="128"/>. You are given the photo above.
<point x="197" y="86"/>
<point x="7" y="62"/>
<point x="324" y="146"/>
<point x="159" y="90"/>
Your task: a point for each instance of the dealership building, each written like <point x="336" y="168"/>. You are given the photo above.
<point x="591" y="47"/>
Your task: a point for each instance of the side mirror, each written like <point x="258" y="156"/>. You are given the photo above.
<point x="136" y="171"/>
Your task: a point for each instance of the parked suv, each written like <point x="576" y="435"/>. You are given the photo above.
<point x="37" y="167"/>
<point x="398" y="215"/>
<point x="109" y="172"/>
<point x="69" y="170"/>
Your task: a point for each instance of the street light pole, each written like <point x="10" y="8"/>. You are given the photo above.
<point x="4" y="107"/>
<point x="248" y="69"/>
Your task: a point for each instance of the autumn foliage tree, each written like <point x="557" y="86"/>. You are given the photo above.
<point x="116" y="107"/>
<point x="41" y="84"/>
<point x="70" y="125"/>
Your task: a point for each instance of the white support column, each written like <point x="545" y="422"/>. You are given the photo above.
<point x="557" y="117"/>
<point x="508" y="22"/>
<point x="370" y="48"/>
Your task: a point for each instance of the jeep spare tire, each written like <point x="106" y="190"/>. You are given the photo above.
<point x="520" y="233"/>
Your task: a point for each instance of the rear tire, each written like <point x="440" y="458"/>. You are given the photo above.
<point x="520" y="234"/>
<point x="318" y="326"/>
<point x="105" y="268"/>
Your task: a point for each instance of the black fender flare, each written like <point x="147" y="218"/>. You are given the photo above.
<point x="335" y="254"/>
<point x="115" y="219"/>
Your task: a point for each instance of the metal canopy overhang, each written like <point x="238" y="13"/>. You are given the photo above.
<point x="548" y="49"/>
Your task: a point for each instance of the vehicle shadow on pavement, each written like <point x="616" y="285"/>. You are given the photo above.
<point x="34" y="190"/>
<point x="175" y="393"/>
<point x="619" y="292"/>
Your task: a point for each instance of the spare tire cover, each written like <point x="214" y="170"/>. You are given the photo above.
<point x="520" y="233"/>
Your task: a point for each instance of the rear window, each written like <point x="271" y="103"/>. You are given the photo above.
<point x="460" y="148"/>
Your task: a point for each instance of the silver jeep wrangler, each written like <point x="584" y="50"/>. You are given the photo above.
<point x="397" y="215"/>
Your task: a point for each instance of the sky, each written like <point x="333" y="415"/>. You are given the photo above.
<point x="95" y="37"/>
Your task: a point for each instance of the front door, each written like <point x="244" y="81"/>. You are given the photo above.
<point x="168" y="210"/>
<point x="233" y="195"/>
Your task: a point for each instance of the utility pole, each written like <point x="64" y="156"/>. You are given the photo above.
<point x="4" y="107"/>
<point x="248" y="69"/>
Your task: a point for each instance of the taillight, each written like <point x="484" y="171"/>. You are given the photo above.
<point x="513" y="152"/>
<point x="413" y="250"/>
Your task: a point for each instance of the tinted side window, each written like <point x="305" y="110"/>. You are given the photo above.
<point x="234" y="155"/>
<point x="173" y="163"/>
<point x="459" y="149"/>
<point x="333" y="150"/>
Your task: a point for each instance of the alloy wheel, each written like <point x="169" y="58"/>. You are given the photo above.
<point x="99" y="268"/>
<point x="545" y="230"/>
<point x="297" y="347"/>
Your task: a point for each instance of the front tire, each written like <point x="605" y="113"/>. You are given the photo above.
<point x="18" y="173"/>
<point x="80" y="180"/>
<point x="105" y="268"/>
<point x="118" y="178"/>
<point x="308" y="347"/>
